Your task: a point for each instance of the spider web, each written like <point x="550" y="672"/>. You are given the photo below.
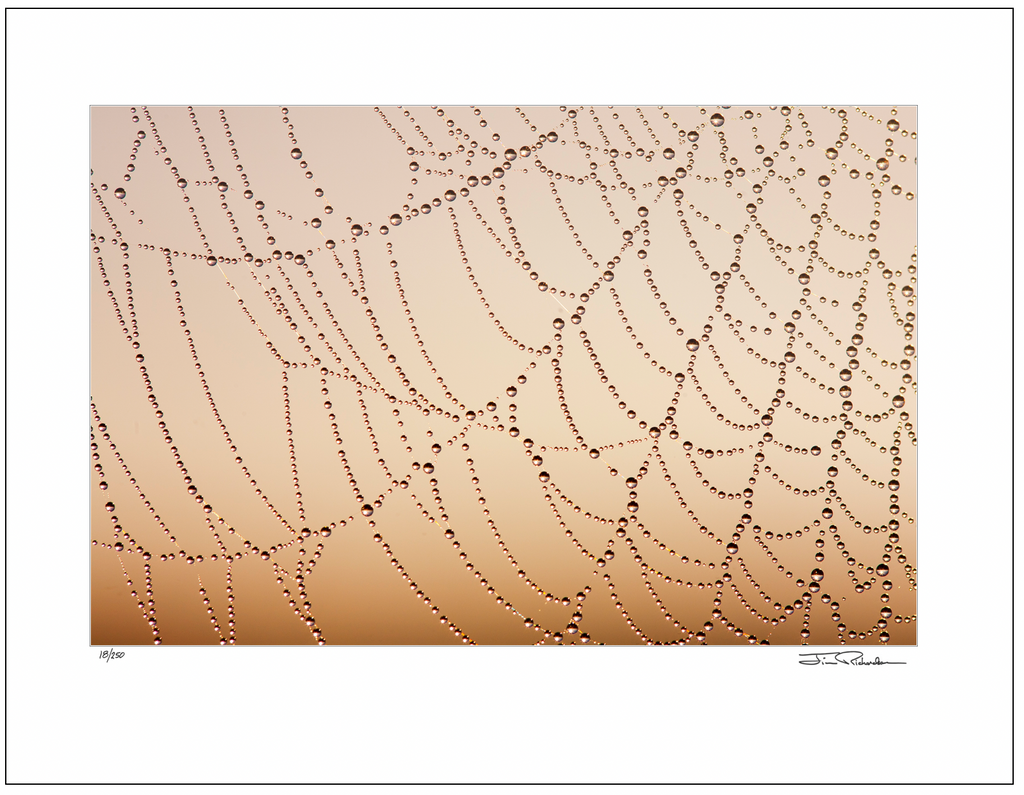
<point x="503" y="375"/>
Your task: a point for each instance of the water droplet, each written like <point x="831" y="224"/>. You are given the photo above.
<point x="717" y="120"/>
<point x="642" y="212"/>
<point x="367" y="510"/>
<point x="357" y="229"/>
<point x="414" y="166"/>
<point x="296" y="153"/>
<point x="119" y="193"/>
<point x="558" y="323"/>
<point x="692" y="345"/>
<point x="824" y="181"/>
<point x="817" y="575"/>
<point x="182" y="182"/>
<point x="449" y="195"/>
<point x="892" y="125"/>
<point x="511" y="391"/>
<point x="669" y="154"/>
<point x="395" y="219"/>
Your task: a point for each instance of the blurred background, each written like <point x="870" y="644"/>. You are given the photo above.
<point x="503" y="375"/>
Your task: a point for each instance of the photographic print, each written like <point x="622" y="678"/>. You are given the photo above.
<point x="503" y="375"/>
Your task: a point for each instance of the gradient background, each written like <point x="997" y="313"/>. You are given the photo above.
<point x="459" y="359"/>
<point x="433" y="713"/>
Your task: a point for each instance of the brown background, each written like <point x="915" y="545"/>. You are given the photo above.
<point x="362" y="166"/>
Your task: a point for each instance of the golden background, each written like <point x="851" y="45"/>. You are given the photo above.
<point x="657" y="199"/>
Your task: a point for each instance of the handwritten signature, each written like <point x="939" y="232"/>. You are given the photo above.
<point x="110" y="654"/>
<point x="843" y="658"/>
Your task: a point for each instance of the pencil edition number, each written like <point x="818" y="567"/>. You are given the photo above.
<point x="110" y="654"/>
